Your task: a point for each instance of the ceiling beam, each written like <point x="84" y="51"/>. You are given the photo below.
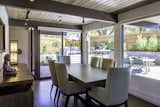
<point x="96" y="25"/>
<point x="146" y="11"/>
<point x="53" y="6"/>
<point x="17" y="22"/>
<point x="137" y="5"/>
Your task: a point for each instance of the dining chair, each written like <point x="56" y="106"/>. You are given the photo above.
<point x="53" y="77"/>
<point x="66" y="87"/>
<point x="94" y="61"/>
<point x="107" y="63"/>
<point x="64" y="59"/>
<point x="115" y="92"/>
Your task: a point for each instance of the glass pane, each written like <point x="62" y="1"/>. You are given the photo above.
<point x="142" y="51"/>
<point x="72" y="46"/>
<point x="50" y="46"/>
<point x="101" y="43"/>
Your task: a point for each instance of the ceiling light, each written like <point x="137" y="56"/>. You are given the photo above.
<point x="25" y="23"/>
<point x="31" y="0"/>
<point x="83" y="21"/>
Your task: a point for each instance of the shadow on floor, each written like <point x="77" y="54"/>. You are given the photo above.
<point x="42" y="97"/>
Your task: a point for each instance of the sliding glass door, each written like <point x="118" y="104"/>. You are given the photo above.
<point x="50" y="46"/>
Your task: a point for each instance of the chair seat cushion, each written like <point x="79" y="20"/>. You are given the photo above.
<point x="98" y="94"/>
<point x="73" y="88"/>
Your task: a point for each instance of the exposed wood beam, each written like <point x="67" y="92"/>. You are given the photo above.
<point x="146" y="11"/>
<point x="137" y="5"/>
<point x="53" y="6"/>
<point x="96" y="25"/>
<point x="146" y="24"/>
<point x="16" y="22"/>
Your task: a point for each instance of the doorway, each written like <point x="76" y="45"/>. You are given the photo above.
<point x="50" y="46"/>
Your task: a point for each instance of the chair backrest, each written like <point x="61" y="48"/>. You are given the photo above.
<point x="94" y="61"/>
<point x="117" y="85"/>
<point x="64" y="59"/>
<point x="107" y="63"/>
<point x="53" y="71"/>
<point x="62" y="75"/>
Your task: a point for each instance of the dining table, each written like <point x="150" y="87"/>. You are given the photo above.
<point x="86" y="75"/>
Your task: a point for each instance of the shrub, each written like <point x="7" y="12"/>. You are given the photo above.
<point x="152" y="44"/>
<point x="141" y="43"/>
<point x="110" y="44"/>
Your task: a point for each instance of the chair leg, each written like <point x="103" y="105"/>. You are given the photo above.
<point x="51" y="90"/>
<point x="55" y="94"/>
<point x="126" y="104"/>
<point x="67" y="99"/>
<point x="75" y="100"/>
<point x="58" y="97"/>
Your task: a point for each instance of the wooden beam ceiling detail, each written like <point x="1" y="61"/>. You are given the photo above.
<point x="16" y="22"/>
<point x="53" y="6"/>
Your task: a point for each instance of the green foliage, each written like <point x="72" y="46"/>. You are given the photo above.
<point x="44" y="50"/>
<point x="125" y="46"/>
<point x="102" y="44"/>
<point x="56" y="44"/>
<point x="110" y="44"/>
<point x="141" y="43"/>
<point x="152" y="43"/>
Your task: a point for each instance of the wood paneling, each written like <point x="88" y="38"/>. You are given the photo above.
<point x="53" y="6"/>
<point x="103" y="5"/>
<point x="15" y="22"/>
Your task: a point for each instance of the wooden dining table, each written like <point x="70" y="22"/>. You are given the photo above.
<point x="86" y="75"/>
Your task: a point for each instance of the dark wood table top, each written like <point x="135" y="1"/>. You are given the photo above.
<point x="23" y="77"/>
<point x="87" y="75"/>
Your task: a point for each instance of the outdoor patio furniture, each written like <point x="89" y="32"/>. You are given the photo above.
<point x="147" y="62"/>
<point x="136" y="63"/>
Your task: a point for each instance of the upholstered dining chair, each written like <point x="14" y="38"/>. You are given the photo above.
<point x="66" y="87"/>
<point x="64" y="59"/>
<point x="115" y="92"/>
<point x="94" y="62"/>
<point x="107" y="63"/>
<point x="53" y="77"/>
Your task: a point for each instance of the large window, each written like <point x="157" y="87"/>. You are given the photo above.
<point x="142" y="51"/>
<point x="72" y="46"/>
<point x="101" y="43"/>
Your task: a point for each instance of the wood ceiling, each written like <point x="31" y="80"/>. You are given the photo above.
<point x="102" y="5"/>
<point x="50" y="17"/>
<point x="71" y="12"/>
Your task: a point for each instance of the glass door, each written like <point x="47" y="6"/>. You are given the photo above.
<point x="50" y="46"/>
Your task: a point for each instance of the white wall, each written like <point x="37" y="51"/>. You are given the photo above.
<point x="22" y="35"/>
<point x="4" y="19"/>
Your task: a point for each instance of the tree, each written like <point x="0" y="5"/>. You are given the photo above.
<point x="152" y="44"/>
<point x="141" y="42"/>
<point x="110" y="44"/>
